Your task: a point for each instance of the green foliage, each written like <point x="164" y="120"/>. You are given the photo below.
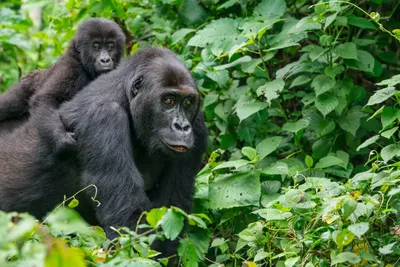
<point x="302" y="105"/>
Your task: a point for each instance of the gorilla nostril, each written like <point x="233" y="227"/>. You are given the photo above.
<point x="177" y="126"/>
<point x="105" y="60"/>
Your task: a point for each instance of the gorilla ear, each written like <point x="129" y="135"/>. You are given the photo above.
<point x="77" y="46"/>
<point x="137" y="85"/>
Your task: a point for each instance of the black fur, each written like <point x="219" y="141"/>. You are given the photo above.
<point x="41" y="92"/>
<point x="139" y="150"/>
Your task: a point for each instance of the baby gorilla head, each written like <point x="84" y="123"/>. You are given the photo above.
<point x="100" y="44"/>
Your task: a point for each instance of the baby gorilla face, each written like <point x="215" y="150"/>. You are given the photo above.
<point x="104" y="55"/>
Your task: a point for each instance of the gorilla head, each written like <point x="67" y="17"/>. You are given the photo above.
<point x="100" y="45"/>
<point x="164" y="111"/>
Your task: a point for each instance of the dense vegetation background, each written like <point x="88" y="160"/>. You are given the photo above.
<point x="302" y="106"/>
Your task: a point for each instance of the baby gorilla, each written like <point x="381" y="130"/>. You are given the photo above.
<point x="96" y="48"/>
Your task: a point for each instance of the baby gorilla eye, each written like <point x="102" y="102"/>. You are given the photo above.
<point x="110" y="46"/>
<point x="169" y="101"/>
<point x="96" y="46"/>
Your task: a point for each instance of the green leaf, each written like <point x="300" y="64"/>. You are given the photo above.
<point x="210" y="99"/>
<point x="276" y="168"/>
<point x="326" y="103"/>
<point x="389" y="115"/>
<point x="386" y="250"/>
<point x="365" y="62"/>
<point x="268" y="145"/>
<point x="270" y="9"/>
<point x="349" y="206"/>
<point x="359" y="229"/>
<point x="172" y="224"/>
<point x="74" y="203"/>
<point x="60" y="254"/>
<point x="221" y="77"/>
<point x="344" y="238"/>
<point x="346" y="50"/>
<point x="309" y="161"/>
<point x="269" y="187"/>
<point x="324" y="127"/>
<point x="390" y="82"/>
<point x="238" y="61"/>
<point x="154" y="216"/>
<point x="322" y="84"/>
<point x="273" y="214"/>
<point x="368" y="142"/>
<point x="291" y="261"/>
<point x="388" y="152"/>
<point x="237" y="190"/>
<point x="387" y="134"/>
<point x="227" y="4"/>
<point x="294" y="127"/>
<point x="271" y="89"/>
<point x="249" y="152"/>
<point x="220" y="35"/>
<point x="360" y="22"/>
<point x="332" y="72"/>
<point x="68" y="221"/>
<point x="329" y="161"/>
<point x="381" y="95"/>
<point x="351" y="122"/>
<point x="232" y="164"/>
<point x="345" y="257"/>
<point x="187" y="252"/>
<point x="246" y="109"/>
<point x="180" y="34"/>
<point x="300" y="80"/>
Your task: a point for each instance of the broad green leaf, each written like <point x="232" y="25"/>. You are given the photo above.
<point x="388" y="152"/>
<point x="332" y="72"/>
<point x="368" y="142"/>
<point x="220" y="35"/>
<point x="345" y="257"/>
<point x="291" y="261"/>
<point x="346" y="50"/>
<point x="154" y="216"/>
<point x="270" y="9"/>
<point x="191" y="12"/>
<point x="232" y="164"/>
<point x="187" y="252"/>
<point x="309" y="161"/>
<point x="322" y="84"/>
<point x="294" y="127"/>
<point x="300" y="80"/>
<point x="180" y="34"/>
<point x="68" y="221"/>
<point x="351" y="122"/>
<point x="381" y="95"/>
<point x="268" y="145"/>
<point x="389" y="115"/>
<point x="60" y="254"/>
<point x="261" y="254"/>
<point x="329" y="161"/>
<point x="344" y="238"/>
<point x="388" y="249"/>
<point x="324" y="127"/>
<point x="277" y="168"/>
<point x="238" y="61"/>
<point x="387" y="134"/>
<point x="249" y="152"/>
<point x="273" y="214"/>
<point x="316" y="52"/>
<point x="349" y="205"/>
<point x="227" y="4"/>
<point x="359" y="229"/>
<point x="237" y="190"/>
<point x="360" y="22"/>
<point x="172" y="224"/>
<point x="390" y="82"/>
<point x="221" y="77"/>
<point x="271" y="89"/>
<point x="210" y="99"/>
<point x="246" y="109"/>
<point x="223" y="109"/>
<point x="326" y="103"/>
<point x="270" y="186"/>
<point x="365" y="62"/>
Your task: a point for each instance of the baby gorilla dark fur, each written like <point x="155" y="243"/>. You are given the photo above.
<point x="140" y="138"/>
<point x="96" y="48"/>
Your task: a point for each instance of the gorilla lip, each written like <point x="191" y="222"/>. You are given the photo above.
<point x="178" y="148"/>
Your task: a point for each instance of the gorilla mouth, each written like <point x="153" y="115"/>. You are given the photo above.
<point x="178" y="148"/>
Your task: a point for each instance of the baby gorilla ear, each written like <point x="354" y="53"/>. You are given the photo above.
<point x="136" y="86"/>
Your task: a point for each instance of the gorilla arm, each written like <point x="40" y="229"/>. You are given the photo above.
<point x="105" y="151"/>
<point x="14" y="102"/>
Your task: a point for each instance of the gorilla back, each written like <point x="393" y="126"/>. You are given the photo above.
<point x="140" y="137"/>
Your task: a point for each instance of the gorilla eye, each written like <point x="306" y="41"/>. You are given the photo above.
<point x="188" y="102"/>
<point x="110" y="46"/>
<point x="96" y="46"/>
<point x="169" y="101"/>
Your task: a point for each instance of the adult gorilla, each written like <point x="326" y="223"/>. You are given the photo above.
<point x="140" y="137"/>
<point x="96" y="48"/>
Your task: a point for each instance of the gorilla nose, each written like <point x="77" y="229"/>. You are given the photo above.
<point x="105" y="61"/>
<point x="182" y="126"/>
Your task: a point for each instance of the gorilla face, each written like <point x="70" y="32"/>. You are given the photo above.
<point x="103" y="55"/>
<point x="164" y="102"/>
